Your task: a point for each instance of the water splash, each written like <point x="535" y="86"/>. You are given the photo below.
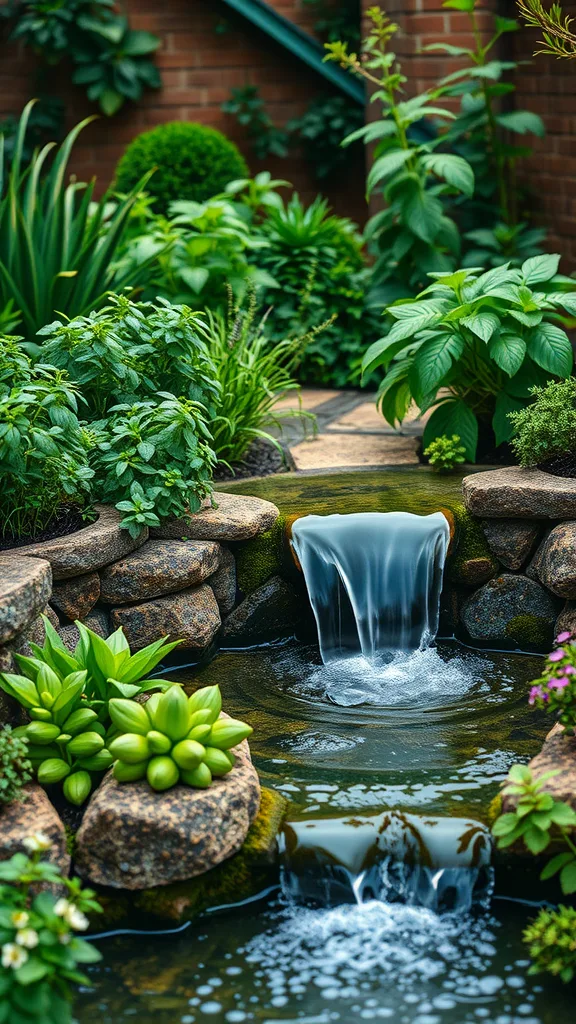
<point x="374" y="579"/>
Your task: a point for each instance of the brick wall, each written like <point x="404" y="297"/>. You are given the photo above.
<point x="206" y="51"/>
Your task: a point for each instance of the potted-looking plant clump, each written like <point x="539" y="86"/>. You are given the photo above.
<point x="545" y="431"/>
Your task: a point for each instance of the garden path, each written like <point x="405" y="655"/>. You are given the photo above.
<point x="350" y="432"/>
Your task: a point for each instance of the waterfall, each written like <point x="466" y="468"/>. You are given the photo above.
<point x="374" y="579"/>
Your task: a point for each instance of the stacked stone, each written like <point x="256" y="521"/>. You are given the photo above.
<point x="529" y="520"/>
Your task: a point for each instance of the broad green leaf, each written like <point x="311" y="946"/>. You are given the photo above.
<point x="385" y="165"/>
<point x="380" y="353"/>
<point x="505" y="824"/>
<point x="501" y="424"/>
<point x="454" y="169"/>
<point x="522" y="121"/>
<point x="371" y="132"/>
<point x="508" y="351"/>
<point x="460" y="5"/>
<point x="540" y="268"/>
<point x="568" y="878"/>
<point x="553" y="866"/>
<point x="520" y="773"/>
<point x="423" y="214"/>
<point x="564" y="815"/>
<point x="482" y="324"/>
<point x="549" y="346"/>
<point x="536" y="840"/>
<point x="453" y="417"/>
<point x="433" y="361"/>
<point x="33" y="970"/>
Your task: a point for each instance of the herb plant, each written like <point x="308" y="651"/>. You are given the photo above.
<point x="172" y="738"/>
<point x="54" y="254"/>
<point x="558" y="39"/>
<point x="551" y="942"/>
<point x="555" y="690"/>
<point x="472" y="345"/>
<point x="537" y="820"/>
<point x="40" y="950"/>
<point x="547" y="427"/>
<point x="15" y="767"/>
<point x="445" y="453"/>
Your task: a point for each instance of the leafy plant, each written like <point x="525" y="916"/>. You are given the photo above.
<point x="40" y="952"/>
<point x="54" y="254"/>
<point x="249" y="109"/>
<point x="46" y="122"/>
<point x="337" y="21"/>
<point x="555" y="690"/>
<point x="445" y="453"/>
<point x="472" y="345"/>
<point x="172" y="738"/>
<point x="491" y="247"/>
<point x="536" y="820"/>
<point x="412" y="235"/>
<point x="320" y="130"/>
<point x="558" y="38"/>
<point x="252" y="372"/>
<point x="15" y="767"/>
<point x="43" y="455"/>
<point x="67" y="697"/>
<point x="551" y="941"/>
<point x="111" y="60"/>
<point x="547" y="427"/>
<point x="193" y="162"/>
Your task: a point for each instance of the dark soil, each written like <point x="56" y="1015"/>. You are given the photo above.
<point x="261" y="459"/>
<point x="560" y="465"/>
<point x="68" y="519"/>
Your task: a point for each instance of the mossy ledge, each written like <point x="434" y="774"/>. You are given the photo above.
<point x="260" y="558"/>
<point x="530" y="631"/>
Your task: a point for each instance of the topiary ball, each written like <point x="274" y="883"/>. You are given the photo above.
<point x="192" y="161"/>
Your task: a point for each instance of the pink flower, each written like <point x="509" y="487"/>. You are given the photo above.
<point x="562" y="637"/>
<point x="535" y="692"/>
<point x="557" y="655"/>
<point x="569" y="670"/>
<point x="558" y="684"/>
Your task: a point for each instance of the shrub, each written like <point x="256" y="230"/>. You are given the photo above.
<point x="40" y="950"/>
<point x="547" y="427"/>
<point x="555" y="690"/>
<point x="192" y="162"/>
<point x="551" y="941"/>
<point x="485" y="338"/>
<point x="15" y="768"/>
<point x="172" y="738"/>
<point x="43" y="451"/>
<point x="445" y="453"/>
<point x="54" y="254"/>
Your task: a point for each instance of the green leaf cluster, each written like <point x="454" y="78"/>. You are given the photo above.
<point x="249" y="109"/>
<point x="547" y="427"/>
<point x="67" y="696"/>
<point x="55" y="253"/>
<point x="173" y="738"/>
<point x="111" y="60"/>
<point x="15" y="766"/>
<point x="445" y="453"/>
<point x="193" y="163"/>
<point x="43" y="451"/>
<point x="558" y="39"/>
<point x="537" y="820"/>
<point x="41" y="954"/>
<point x="472" y="345"/>
<point x="551" y="941"/>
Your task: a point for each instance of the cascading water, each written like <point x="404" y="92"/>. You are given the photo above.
<point x="374" y="579"/>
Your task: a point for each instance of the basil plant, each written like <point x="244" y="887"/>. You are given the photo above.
<point x="472" y="345"/>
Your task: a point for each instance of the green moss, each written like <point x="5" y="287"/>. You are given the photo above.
<point x="494" y="809"/>
<point x="70" y="840"/>
<point x="260" y="558"/>
<point x="472" y="562"/>
<point x="244" y="875"/>
<point x="531" y="630"/>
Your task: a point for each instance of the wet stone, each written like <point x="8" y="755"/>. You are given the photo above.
<point x="505" y="607"/>
<point x="159" y="567"/>
<point x="223" y="582"/>
<point x="192" y="616"/>
<point x="511" y="540"/>
<point x="272" y="611"/>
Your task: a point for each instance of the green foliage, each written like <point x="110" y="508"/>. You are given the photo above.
<point x="67" y="697"/>
<point x="537" y="820"/>
<point x="193" y="162"/>
<point x="557" y="36"/>
<point x="249" y="109"/>
<point x="172" y="738"/>
<point x="337" y="21"/>
<point x="40" y="952"/>
<point x="149" y="450"/>
<point x="46" y="122"/>
<point x="412" y="235"/>
<point x="252" y="372"/>
<point x="486" y="338"/>
<point x="551" y="941"/>
<point x="547" y="427"/>
<point x="54" y="254"/>
<point x="491" y="247"/>
<point x="110" y="60"/>
<point x="320" y="130"/>
<point x="445" y="453"/>
<point x="555" y="690"/>
<point x="15" y="768"/>
<point x="43" y="453"/>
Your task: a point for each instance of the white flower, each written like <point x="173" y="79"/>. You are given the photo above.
<point x="37" y="843"/>
<point x="20" y="918"/>
<point x="64" y="938"/>
<point x="27" y="937"/>
<point x="13" y="956"/>
<point x="61" y="907"/>
<point x="76" y="919"/>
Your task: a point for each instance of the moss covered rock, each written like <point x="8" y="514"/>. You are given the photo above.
<point x="260" y="558"/>
<point x="530" y="631"/>
<point x="243" y="875"/>
<point x="472" y="563"/>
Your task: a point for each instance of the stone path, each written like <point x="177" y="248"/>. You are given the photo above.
<point x="350" y="432"/>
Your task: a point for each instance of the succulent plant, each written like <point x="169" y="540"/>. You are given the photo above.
<point x="174" y="738"/>
<point x="551" y="941"/>
<point x="15" y="767"/>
